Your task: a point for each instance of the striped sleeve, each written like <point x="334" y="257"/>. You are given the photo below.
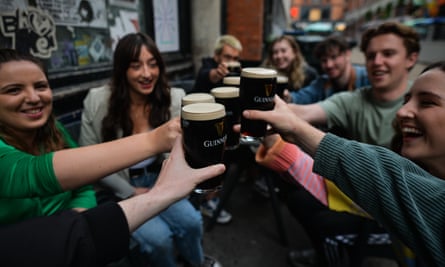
<point x="288" y="160"/>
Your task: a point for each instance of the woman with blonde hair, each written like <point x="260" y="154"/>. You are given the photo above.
<point x="285" y="56"/>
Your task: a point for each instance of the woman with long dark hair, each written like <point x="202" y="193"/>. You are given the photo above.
<point x="139" y="99"/>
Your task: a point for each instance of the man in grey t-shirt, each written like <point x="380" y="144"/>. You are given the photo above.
<point x="391" y="51"/>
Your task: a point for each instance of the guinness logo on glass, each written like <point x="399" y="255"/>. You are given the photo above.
<point x="268" y="88"/>
<point x="219" y="128"/>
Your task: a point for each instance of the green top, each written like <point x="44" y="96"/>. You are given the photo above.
<point x="361" y="116"/>
<point x="406" y="199"/>
<point x="29" y="187"/>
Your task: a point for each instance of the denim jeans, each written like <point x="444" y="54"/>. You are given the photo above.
<point x="178" y="228"/>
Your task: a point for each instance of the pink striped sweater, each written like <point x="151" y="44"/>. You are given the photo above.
<point x="296" y="166"/>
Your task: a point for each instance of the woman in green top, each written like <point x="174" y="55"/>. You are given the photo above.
<point x="39" y="175"/>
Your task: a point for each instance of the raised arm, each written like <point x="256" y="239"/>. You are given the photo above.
<point x="85" y="165"/>
<point x="312" y="113"/>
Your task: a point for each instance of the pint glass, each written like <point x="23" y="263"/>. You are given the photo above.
<point x="257" y="90"/>
<point x="204" y="137"/>
<point x="229" y="97"/>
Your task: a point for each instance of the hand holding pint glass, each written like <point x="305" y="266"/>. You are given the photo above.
<point x="257" y="90"/>
<point x="204" y="139"/>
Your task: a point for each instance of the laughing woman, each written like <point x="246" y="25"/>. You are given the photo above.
<point x="404" y="193"/>
<point x="29" y="135"/>
<point x="42" y="172"/>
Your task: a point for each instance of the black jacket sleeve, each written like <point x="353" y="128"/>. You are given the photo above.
<point x="91" y="238"/>
<point x="202" y="82"/>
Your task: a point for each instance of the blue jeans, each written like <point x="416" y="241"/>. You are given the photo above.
<point x="178" y="228"/>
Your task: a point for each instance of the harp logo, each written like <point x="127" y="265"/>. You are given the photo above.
<point x="268" y="88"/>
<point x="219" y="128"/>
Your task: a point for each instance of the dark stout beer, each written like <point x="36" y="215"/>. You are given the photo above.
<point x="229" y="97"/>
<point x="204" y="138"/>
<point x="282" y="83"/>
<point x="257" y="90"/>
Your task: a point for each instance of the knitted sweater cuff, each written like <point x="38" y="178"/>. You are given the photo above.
<point x="279" y="157"/>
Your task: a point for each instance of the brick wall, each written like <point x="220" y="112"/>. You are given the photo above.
<point x="245" y="21"/>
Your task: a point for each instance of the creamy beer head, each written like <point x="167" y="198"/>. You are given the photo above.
<point x="203" y="111"/>
<point x="282" y="79"/>
<point x="225" y="92"/>
<point x="197" y="98"/>
<point x="233" y="64"/>
<point x="232" y="80"/>
<point x="258" y="73"/>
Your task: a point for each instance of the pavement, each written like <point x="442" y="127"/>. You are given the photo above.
<point x="251" y="239"/>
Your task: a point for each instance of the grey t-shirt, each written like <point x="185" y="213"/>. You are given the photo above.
<point x="361" y="116"/>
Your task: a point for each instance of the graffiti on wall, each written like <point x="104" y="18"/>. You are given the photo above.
<point x="67" y="34"/>
<point x="31" y="31"/>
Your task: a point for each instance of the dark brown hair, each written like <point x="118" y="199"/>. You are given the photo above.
<point x="329" y="44"/>
<point x="396" y="142"/>
<point x="118" y="117"/>
<point x="410" y="37"/>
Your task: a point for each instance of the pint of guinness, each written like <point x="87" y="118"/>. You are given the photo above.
<point x="257" y="90"/>
<point x="204" y="139"/>
<point x="234" y="68"/>
<point x="282" y="83"/>
<point x="229" y="97"/>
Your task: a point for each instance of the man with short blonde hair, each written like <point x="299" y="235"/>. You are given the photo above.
<point x="227" y="49"/>
<point x="229" y="40"/>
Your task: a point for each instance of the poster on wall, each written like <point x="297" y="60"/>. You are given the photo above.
<point x="123" y="22"/>
<point x="76" y="12"/>
<point x="166" y="25"/>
